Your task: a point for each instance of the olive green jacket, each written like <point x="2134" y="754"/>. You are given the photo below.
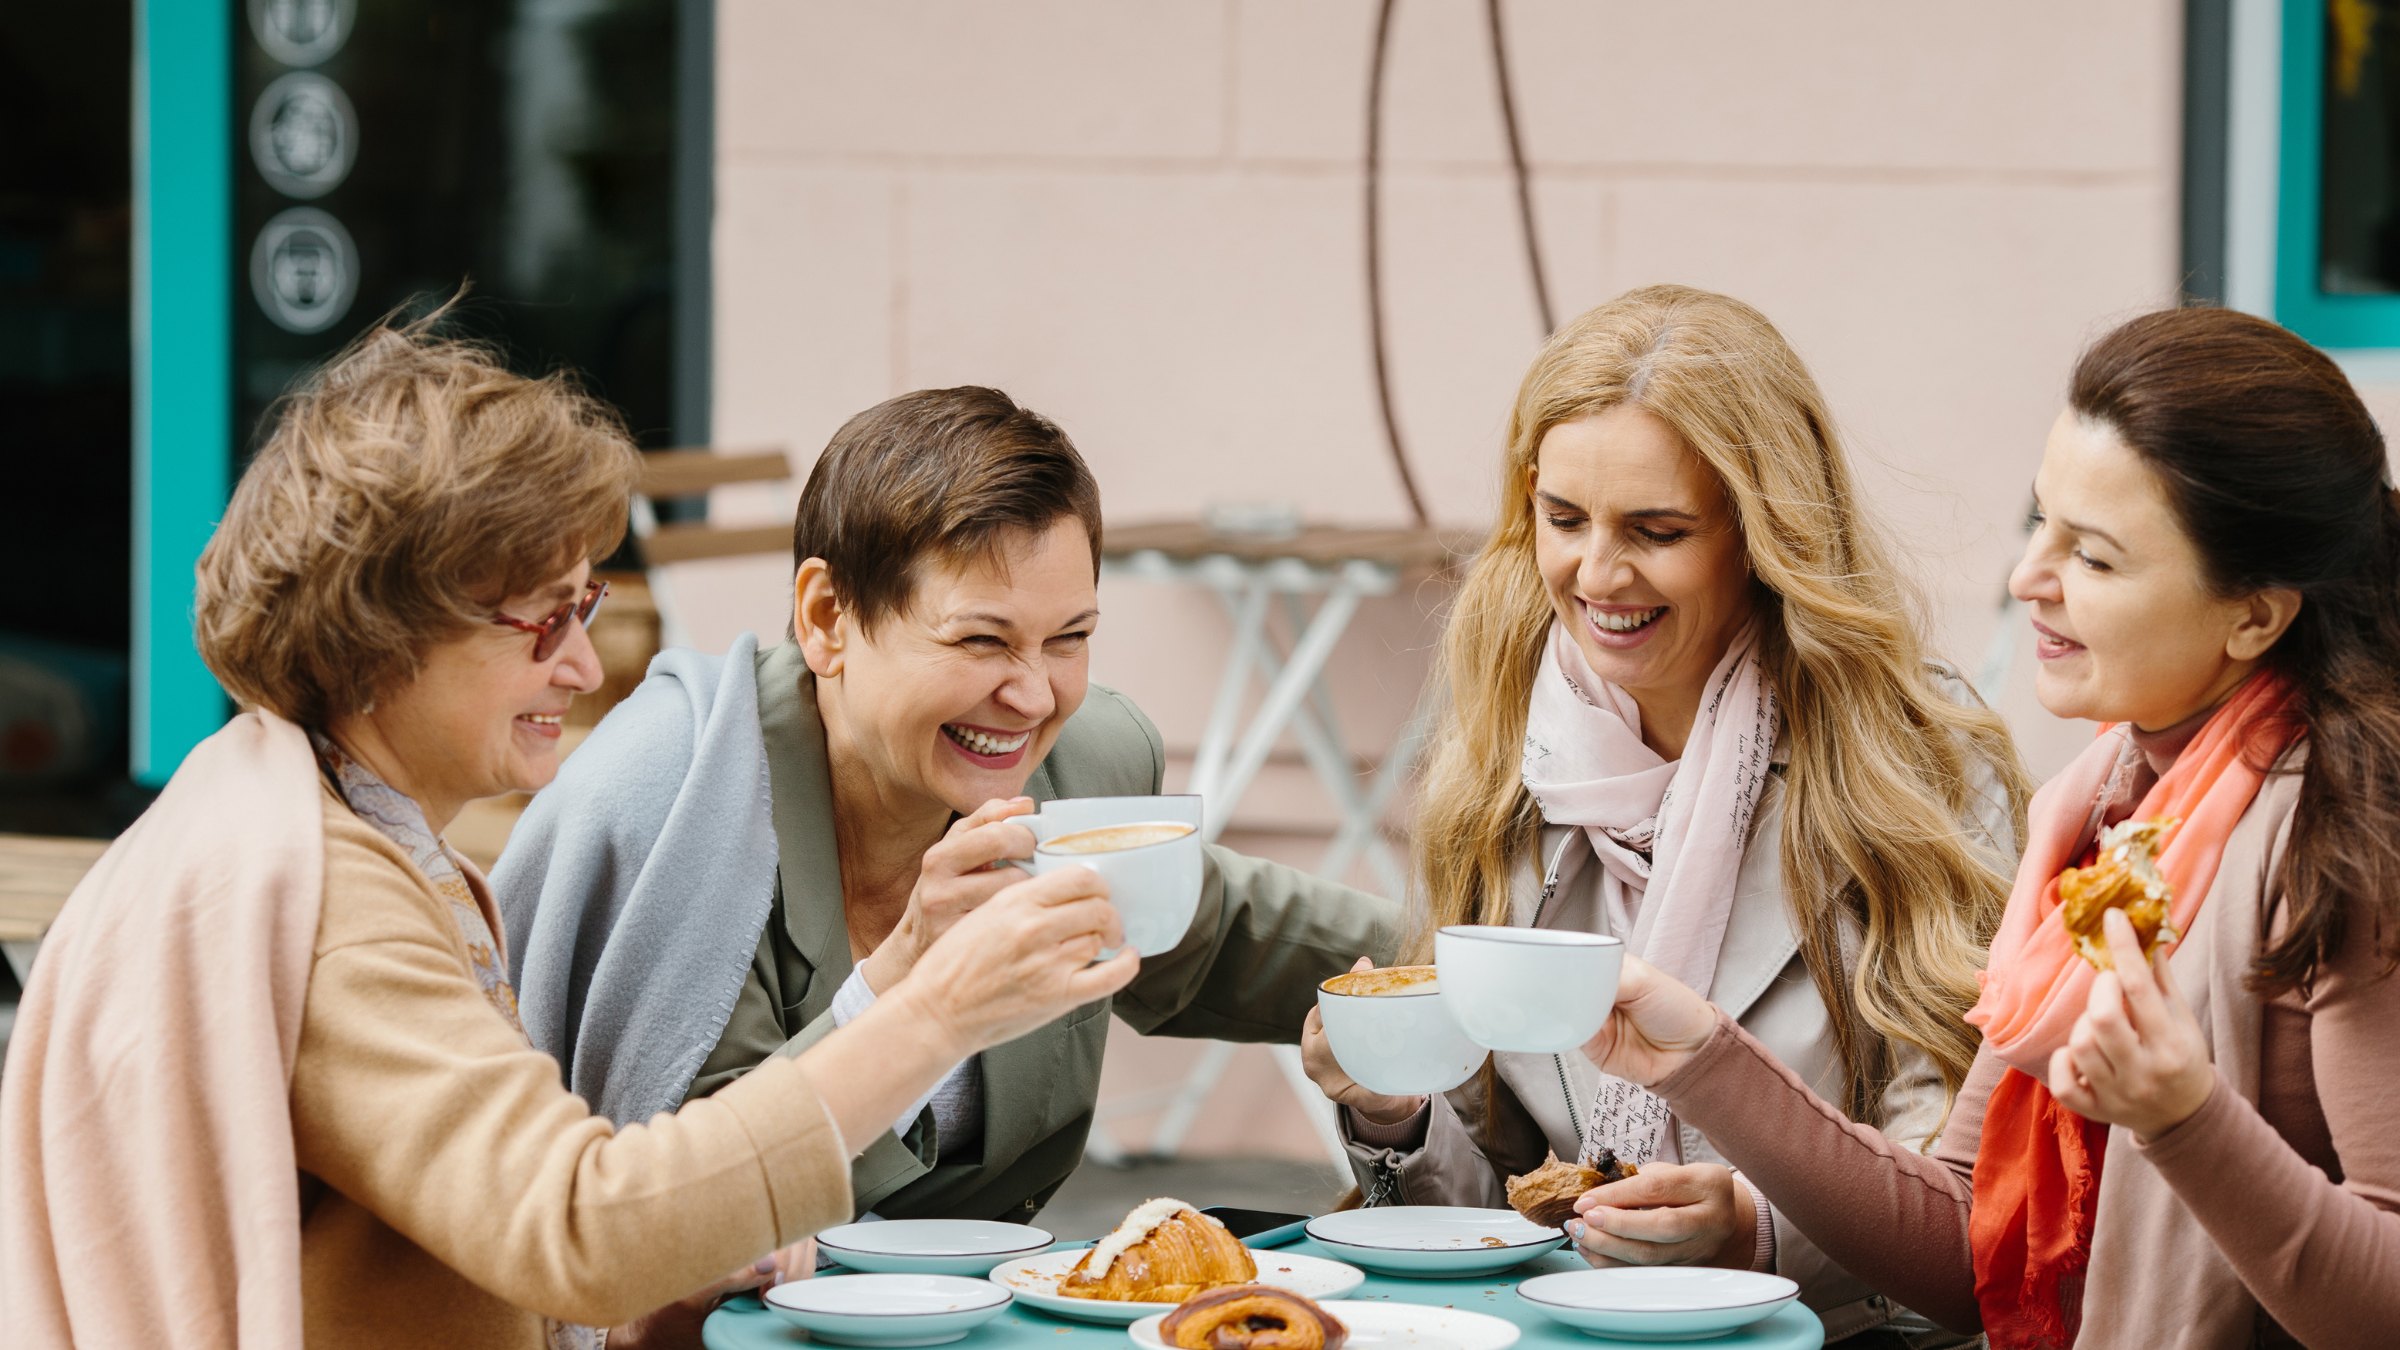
<point x="1265" y="935"/>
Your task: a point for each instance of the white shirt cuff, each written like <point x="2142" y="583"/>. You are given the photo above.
<point x="853" y="998"/>
<point x="849" y="1002"/>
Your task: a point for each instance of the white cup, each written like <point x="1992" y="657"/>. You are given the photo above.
<point x="1155" y="885"/>
<point x="1065" y="815"/>
<point x="1537" y="990"/>
<point x="1399" y="1044"/>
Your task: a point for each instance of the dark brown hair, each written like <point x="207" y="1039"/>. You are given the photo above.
<point x="2277" y="473"/>
<point x="408" y="488"/>
<point x="940" y="474"/>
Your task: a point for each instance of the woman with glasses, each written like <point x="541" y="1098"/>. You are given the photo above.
<point x="269" y="1085"/>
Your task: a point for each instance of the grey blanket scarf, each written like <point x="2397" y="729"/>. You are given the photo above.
<point x="630" y="934"/>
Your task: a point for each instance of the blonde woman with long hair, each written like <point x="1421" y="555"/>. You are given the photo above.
<point x="1691" y="707"/>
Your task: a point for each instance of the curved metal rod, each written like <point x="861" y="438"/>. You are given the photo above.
<point x="1383" y="374"/>
<point x="1516" y="162"/>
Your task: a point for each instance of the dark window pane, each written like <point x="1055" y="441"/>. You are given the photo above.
<point x="65" y="358"/>
<point x="2360" y="230"/>
<point x="525" y="146"/>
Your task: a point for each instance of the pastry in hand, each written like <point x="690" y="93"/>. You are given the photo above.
<point x="1165" y="1252"/>
<point x="1251" y="1317"/>
<point x="2124" y="876"/>
<point x="1548" y="1193"/>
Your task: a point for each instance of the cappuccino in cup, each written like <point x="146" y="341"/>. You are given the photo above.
<point x="1387" y="982"/>
<point x="1390" y="1030"/>
<point x="1153" y="867"/>
<point x="1111" y="838"/>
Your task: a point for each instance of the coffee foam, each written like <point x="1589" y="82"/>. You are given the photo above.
<point x="1388" y="981"/>
<point x="1113" y="838"/>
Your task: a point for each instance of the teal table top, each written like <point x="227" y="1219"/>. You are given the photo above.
<point x="745" y="1324"/>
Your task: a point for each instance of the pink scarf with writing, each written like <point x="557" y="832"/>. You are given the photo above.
<point x="1670" y="835"/>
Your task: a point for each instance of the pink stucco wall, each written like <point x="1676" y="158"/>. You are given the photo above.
<point x="1144" y="220"/>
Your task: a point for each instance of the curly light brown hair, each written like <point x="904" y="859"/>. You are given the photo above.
<point x="409" y="487"/>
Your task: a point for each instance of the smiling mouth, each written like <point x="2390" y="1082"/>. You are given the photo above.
<point x="2049" y="643"/>
<point x="1631" y="621"/>
<point x="543" y="719"/>
<point x="983" y="742"/>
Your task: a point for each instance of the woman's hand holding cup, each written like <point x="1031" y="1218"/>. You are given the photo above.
<point x="958" y="875"/>
<point x="1316" y="1056"/>
<point x="1021" y="959"/>
<point x="1657" y="1024"/>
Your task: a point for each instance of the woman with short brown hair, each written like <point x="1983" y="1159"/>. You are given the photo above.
<point x="678" y="927"/>
<point x="269" y="1085"/>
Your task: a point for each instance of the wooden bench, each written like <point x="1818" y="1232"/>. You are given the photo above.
<point x="36" y="876"/>
<point x="668" y="474"/>
<point x="690" y="473"/>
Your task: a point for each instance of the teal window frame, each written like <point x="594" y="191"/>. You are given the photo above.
<point x="182" y="361"/>
<point x="2332" y="321"/>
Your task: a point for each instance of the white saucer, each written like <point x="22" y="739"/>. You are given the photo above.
<point x="1434" y="1239"/>
<point x="1034" y="1280"/>
<point x="1378" y="1325"/>
<point x="887" y="1310"/>
<point x="1658" y="1303"/>
<point x="930" y="1246"/>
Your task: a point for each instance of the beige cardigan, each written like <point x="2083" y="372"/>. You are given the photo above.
<point x="437" y="1185"/>
<point x="454" y="1193"/>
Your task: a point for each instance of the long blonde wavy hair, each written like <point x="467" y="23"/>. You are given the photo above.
<point x="1880" y="761"/>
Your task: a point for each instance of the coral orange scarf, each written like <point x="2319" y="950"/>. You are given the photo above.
<point x="2037" y="1170"/>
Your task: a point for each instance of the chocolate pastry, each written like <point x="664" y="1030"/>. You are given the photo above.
<point x="1165" y="1252"/>
<point x="1252" y="1317"/>
<point x="1548" y="1193"/>
<point x="2124" y="876"/>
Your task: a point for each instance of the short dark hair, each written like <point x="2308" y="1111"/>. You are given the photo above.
<point x="945" y="474"/>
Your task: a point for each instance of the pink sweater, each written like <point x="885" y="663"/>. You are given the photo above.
<point x="2299" y="1190"/>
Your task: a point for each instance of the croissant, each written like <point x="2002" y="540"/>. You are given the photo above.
<point x="1165" y="1252"/>
<point x="2125" y="876"/>
<point x="1547" y="1194"/>
<point x="1252" y="1317"/>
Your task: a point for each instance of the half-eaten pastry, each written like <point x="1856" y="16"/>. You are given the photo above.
<point x="2124" y="876"/>
<point x="1165" y="1252"/>
<point x="1252" y="1317"/>
<point x="1548" y="1193"/>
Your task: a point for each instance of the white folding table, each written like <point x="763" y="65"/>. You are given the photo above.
<point x="1252" y="577"/>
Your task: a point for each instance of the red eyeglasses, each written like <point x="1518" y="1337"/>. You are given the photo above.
<point x="552" y="631"/>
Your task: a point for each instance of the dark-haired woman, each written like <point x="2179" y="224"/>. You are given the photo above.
<point x="2201" y="1149"/>
<point x="754" y="848"/>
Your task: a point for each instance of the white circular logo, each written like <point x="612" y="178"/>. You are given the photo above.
<point x="301" y="32"/>
<point x="304" y="270"/>
<point x="304" y="135"/>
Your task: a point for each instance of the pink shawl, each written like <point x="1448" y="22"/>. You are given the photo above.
<point x="148" y="1190"/>
<point x="1671" y="834"/>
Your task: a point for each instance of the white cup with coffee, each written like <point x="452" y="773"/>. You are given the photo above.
<point x="1153" y="868"/>
<point x="1065" y="815"/>
<point x="1536" y="990"/>
<point x="1390" y="1031"/>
